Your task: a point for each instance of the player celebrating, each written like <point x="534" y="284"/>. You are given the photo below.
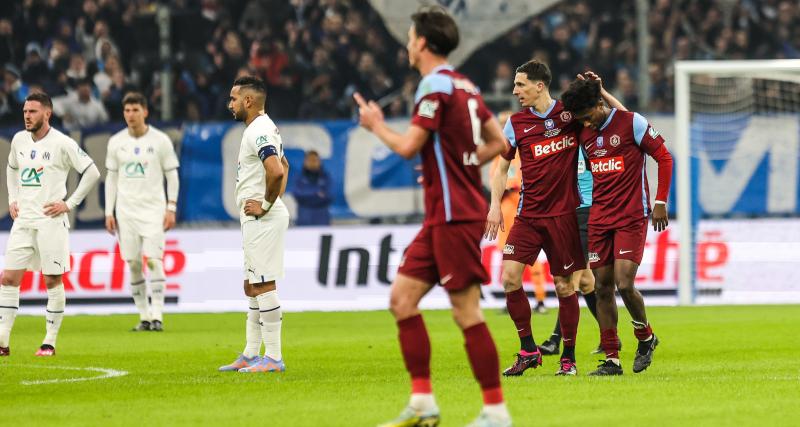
<point x="138" y="159"/>
<point x="38" y="164"/>
<point x="615" y="142"/>
<point x="260" y="180"/>
<point x="449" y="121"/>
<point x="546" y="218"/>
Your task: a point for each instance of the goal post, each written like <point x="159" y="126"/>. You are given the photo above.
<point x="711" y="97"/>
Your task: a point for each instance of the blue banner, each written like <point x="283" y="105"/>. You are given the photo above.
<point x="742" y="166"/>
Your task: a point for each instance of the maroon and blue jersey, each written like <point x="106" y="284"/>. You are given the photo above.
<point x="616" y="155"/>
<point x="548" y="150"/>
<point x="450" y="106"/>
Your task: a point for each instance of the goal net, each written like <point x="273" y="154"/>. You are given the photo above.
<point x="736" y="152"/>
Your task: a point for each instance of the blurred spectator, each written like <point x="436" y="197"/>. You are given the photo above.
<point x="80" y="108"/>
<point x="13" y="86"/>
<point x="314" y="54"/>
<point x="312" y="190"/>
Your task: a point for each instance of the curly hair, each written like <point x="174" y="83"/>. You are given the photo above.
<point x="581" y="95"/>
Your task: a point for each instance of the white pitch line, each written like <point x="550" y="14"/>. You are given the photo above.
<point x="106" y="373"/>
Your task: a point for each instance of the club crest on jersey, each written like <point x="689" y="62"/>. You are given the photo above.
<point x="614" y="140"/>
<point x="33" y="154"/>
<point x="150" y="150"/>
<point x="136" y="151"/>
<point x="653" y="133"/>
<point x="599" y="142"/>
<point x="566" y="116"/>
<point x="46" y="155"/>
<point x="549" y="124"/>
<point x="508" y="249"/>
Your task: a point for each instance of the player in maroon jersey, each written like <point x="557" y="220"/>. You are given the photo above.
<point x="449" y="122"/>
<point x="616" y="143"/>
<point x="546" y="137"/>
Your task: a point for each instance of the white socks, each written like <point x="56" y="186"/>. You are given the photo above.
<point x="423" y="402"/>
<point x="497" y="411"/>
<point x="56" y="300"/>
<point x="139" y="290"/>
<point x="9" y="304"/>
<point x="270" y="315"/>
<point x="157" y="280"/>
<point x="253" y="330"/>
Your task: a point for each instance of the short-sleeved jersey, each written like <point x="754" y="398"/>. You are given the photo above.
<point x="450" y="106"/>
<point x="616" y="154"/>
<point x="140" y="164"/>
<point x="585" y="181"/>
<point x="260" y="135"/>
<point x="43" y="167"/>
<point x="548" y="150"/>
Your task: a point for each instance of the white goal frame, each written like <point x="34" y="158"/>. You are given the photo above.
<point x="769" y="69"/>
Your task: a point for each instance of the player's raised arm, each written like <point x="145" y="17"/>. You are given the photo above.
<point x="607" y="96"/>
<point x="370" y="117"/>
<point x="494" y="219"/>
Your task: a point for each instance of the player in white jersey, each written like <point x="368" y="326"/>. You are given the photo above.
<point x="38" y="164"/>
<point x="260" y="180"/>
<point x="138" y="160"/>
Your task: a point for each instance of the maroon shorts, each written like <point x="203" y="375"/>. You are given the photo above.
<point x="609" y="244"/>
<point x="449" y="254"/>
<point x="557" y="235"/>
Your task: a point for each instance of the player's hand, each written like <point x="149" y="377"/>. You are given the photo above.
<point x="13" y="210"/>
<point x="590" y="75"/>
<point x="54" y="209"/>
<point x="169" y="220"/>
<point x="111" y="225"/>
<point x="660" y="220"/>
<point x="253" y="208"/>
<point x="369" y="113"/>
<point x="421" y="177"/>
<point x="494" y="222"/>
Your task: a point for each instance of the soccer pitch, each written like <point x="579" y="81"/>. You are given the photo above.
<point x="715" y="366"/>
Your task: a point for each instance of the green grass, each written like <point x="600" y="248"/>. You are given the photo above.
<point x="715" y="366"/>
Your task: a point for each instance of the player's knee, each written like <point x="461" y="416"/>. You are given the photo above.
<point x="52" y="281"/>
<point x="564" y="288"/>
<point x="586" y="284"/>
<point x="135" y="266"/>
<point x="10" y="279"/>
<point x="402" y="305"/>
<point x="511" y="282"/>
<point x="625" y="286"/>
<point x="155" y="264"/>
<point x="466" y="318"/>
<point x="604" y="289"/>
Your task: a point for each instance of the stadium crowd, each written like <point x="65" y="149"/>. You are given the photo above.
<point x="314" y="54"/>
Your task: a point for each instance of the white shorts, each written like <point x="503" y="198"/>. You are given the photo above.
<point x="42" y="248"/>
<point x="137" y="238"/>
<point x="263" y="244"/>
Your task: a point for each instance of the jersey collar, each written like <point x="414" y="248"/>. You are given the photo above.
<point x="546" y="113"/>
<point x="447" y="67"/>
<point x="608" y="119"/>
